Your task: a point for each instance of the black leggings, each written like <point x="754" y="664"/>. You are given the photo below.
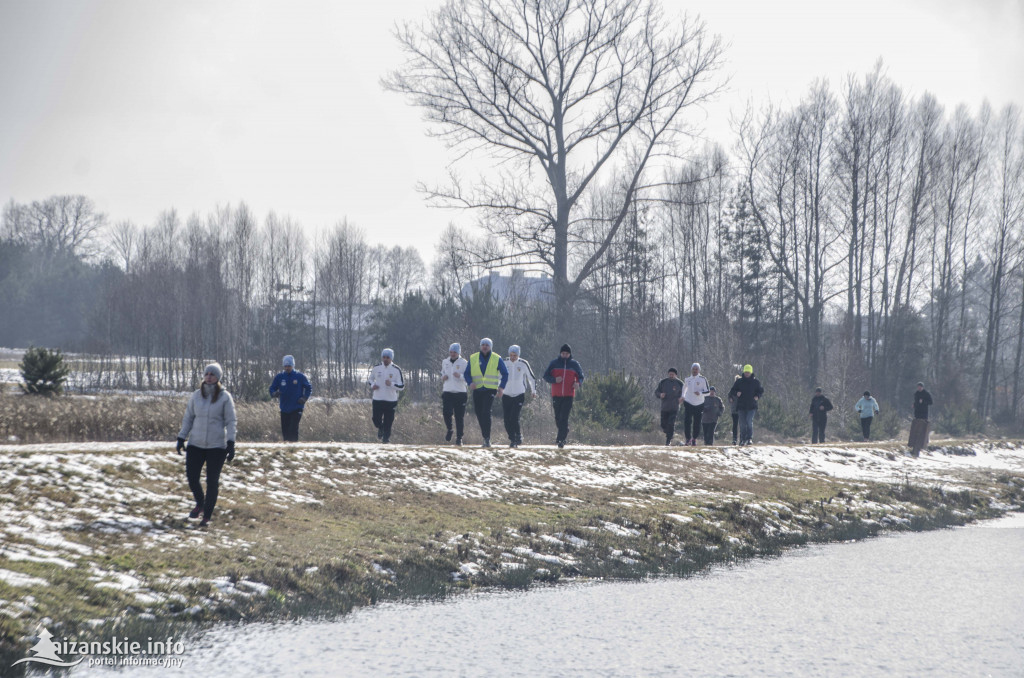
<point x="214" y="458"/>
<point x="453" y="403"/>
<point x="384" y="417"/>
<point x="562" y="406"/>
<point x="735" y="426"/>
<point x="512" y="409"/>
<point x="818" y="423"/>
<point x="290" y="426"/>
<point x="692" y="415"/>
<point x="668" y="422"/>
<point x="865" y="427"/>
<point x="483" y="401"/>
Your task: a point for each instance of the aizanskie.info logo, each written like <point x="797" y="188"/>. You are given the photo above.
<point x="113" y="652"/>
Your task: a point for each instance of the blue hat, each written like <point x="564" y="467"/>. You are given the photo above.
<point x="514" y="348"/>
<point x="288" y="361"/>
<point x="387" y="353"/>
<point x="485" y="340"/>
<point x="455" y="347"/>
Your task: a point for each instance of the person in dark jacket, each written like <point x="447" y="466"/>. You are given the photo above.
<point x="565" y="375"/>
<point x="747" y="390"/>
<point x="292" y="389"/>
<point x="713" y="408"/>
<point x="820" y="407"/>
<point x="669" y="391"/>
<point x="922" y="401"/>
<point x="734" y="413"/>
<point x="486" y="376"/>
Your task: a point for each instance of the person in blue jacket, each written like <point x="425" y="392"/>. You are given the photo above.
<point x="292" y="389"/>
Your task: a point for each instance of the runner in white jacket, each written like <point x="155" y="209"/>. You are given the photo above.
<point x="453" y="392"/>
<point x="520" y="378"/>
<point x="695" y="387"/>
<point x="385" y="381"/>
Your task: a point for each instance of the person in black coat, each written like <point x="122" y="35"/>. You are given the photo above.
<point x="820" y="407"/>
<point x="670" y="392"/>
<point x="922" y="400"/>
<point x="747" y="391"/>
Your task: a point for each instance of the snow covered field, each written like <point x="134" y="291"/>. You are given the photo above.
<point x="96" y="517"/>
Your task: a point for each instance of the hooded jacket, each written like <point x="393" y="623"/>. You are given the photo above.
<point x="922" y="399"/>
<point x="570" y="372"/>
<point x="209" y="424"/>
<point x="868" y="407"/>
<point x="744" y="391"/>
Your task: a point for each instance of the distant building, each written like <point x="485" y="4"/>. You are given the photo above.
<point x="519" y="284"/>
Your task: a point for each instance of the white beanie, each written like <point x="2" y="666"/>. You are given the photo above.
<point x="487" y="341"/>
<point x="697" y="365"/>
<point x="387" y="353"/>
<point x="455" y="347"/>
<point x="514" y="348"/>
<point x="215" y="369"/>
<point x="288" y="361"/>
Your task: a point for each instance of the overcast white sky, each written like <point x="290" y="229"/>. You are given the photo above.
<point x="145" y="105"/>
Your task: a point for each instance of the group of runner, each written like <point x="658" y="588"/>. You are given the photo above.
<point x="209" y="425"/>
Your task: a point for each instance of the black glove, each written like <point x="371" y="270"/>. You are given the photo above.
<point x="181" y="445"/>
<point x="231" y="450"/>
<point x="302" y="401"/>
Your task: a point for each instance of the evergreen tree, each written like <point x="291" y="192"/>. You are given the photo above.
<point x="43" y="371"/>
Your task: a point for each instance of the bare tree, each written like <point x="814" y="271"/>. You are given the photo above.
<point x="563" y="92"/>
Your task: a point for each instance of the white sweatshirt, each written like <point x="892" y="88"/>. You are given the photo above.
<point x="695" y="388"/>
<point x="456" y="381"/>
<point x="520" y="376"/>
<point x="380" y="375"/>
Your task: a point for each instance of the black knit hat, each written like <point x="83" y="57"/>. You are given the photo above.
<point x="567" y="348"/>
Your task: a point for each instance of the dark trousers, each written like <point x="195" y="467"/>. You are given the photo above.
<point x="454" y="404"/>
<point x="691" y="419"/>
<point x="290" y="426"/>
<point x="735" y="425"/>
<point x="709" y="432"/>
<point x="563" y="406"/>
<point x="384" y="416"/>
<point x="865" y="427"/>
<point x="668" y="422"/>
<point x="512" y="409"/>
<point x="214" y="458"/>
<point x="818" y="422"/>
<point x="483" y="400"/>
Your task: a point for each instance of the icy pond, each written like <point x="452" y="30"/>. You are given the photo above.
<point x="945" y="603"/>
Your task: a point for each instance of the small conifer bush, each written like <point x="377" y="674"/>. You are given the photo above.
<point x="43" y="372"/>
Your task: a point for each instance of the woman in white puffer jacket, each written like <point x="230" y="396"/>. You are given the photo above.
<point x="209" y="425"/>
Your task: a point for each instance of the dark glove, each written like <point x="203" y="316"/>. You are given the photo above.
<point x="181" y="445"/>
<point x="231" y="450"/>
<point x="302" y="401"/>
<point x="275" y="394"/>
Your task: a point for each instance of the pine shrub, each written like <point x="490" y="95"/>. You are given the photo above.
<point x="43" y="371"/>
<point x="615" y="401"/>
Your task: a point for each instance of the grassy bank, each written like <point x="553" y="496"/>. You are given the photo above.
<point x="94" y="536"/>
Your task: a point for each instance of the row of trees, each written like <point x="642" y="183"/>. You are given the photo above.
<point x="860" y="239"/>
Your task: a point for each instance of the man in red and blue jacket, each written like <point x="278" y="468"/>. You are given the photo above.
<point x="564" y="374"/>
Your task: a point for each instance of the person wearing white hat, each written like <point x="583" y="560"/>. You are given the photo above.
<point x="292" y="389"/>
<point x="453" y="392"/>
<point x="520" y="378"/>
<point x="209" y="425"/>
<point x="386" y="383"/>
<point x="486" y="376"/>
<point x="695" y="388"/>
